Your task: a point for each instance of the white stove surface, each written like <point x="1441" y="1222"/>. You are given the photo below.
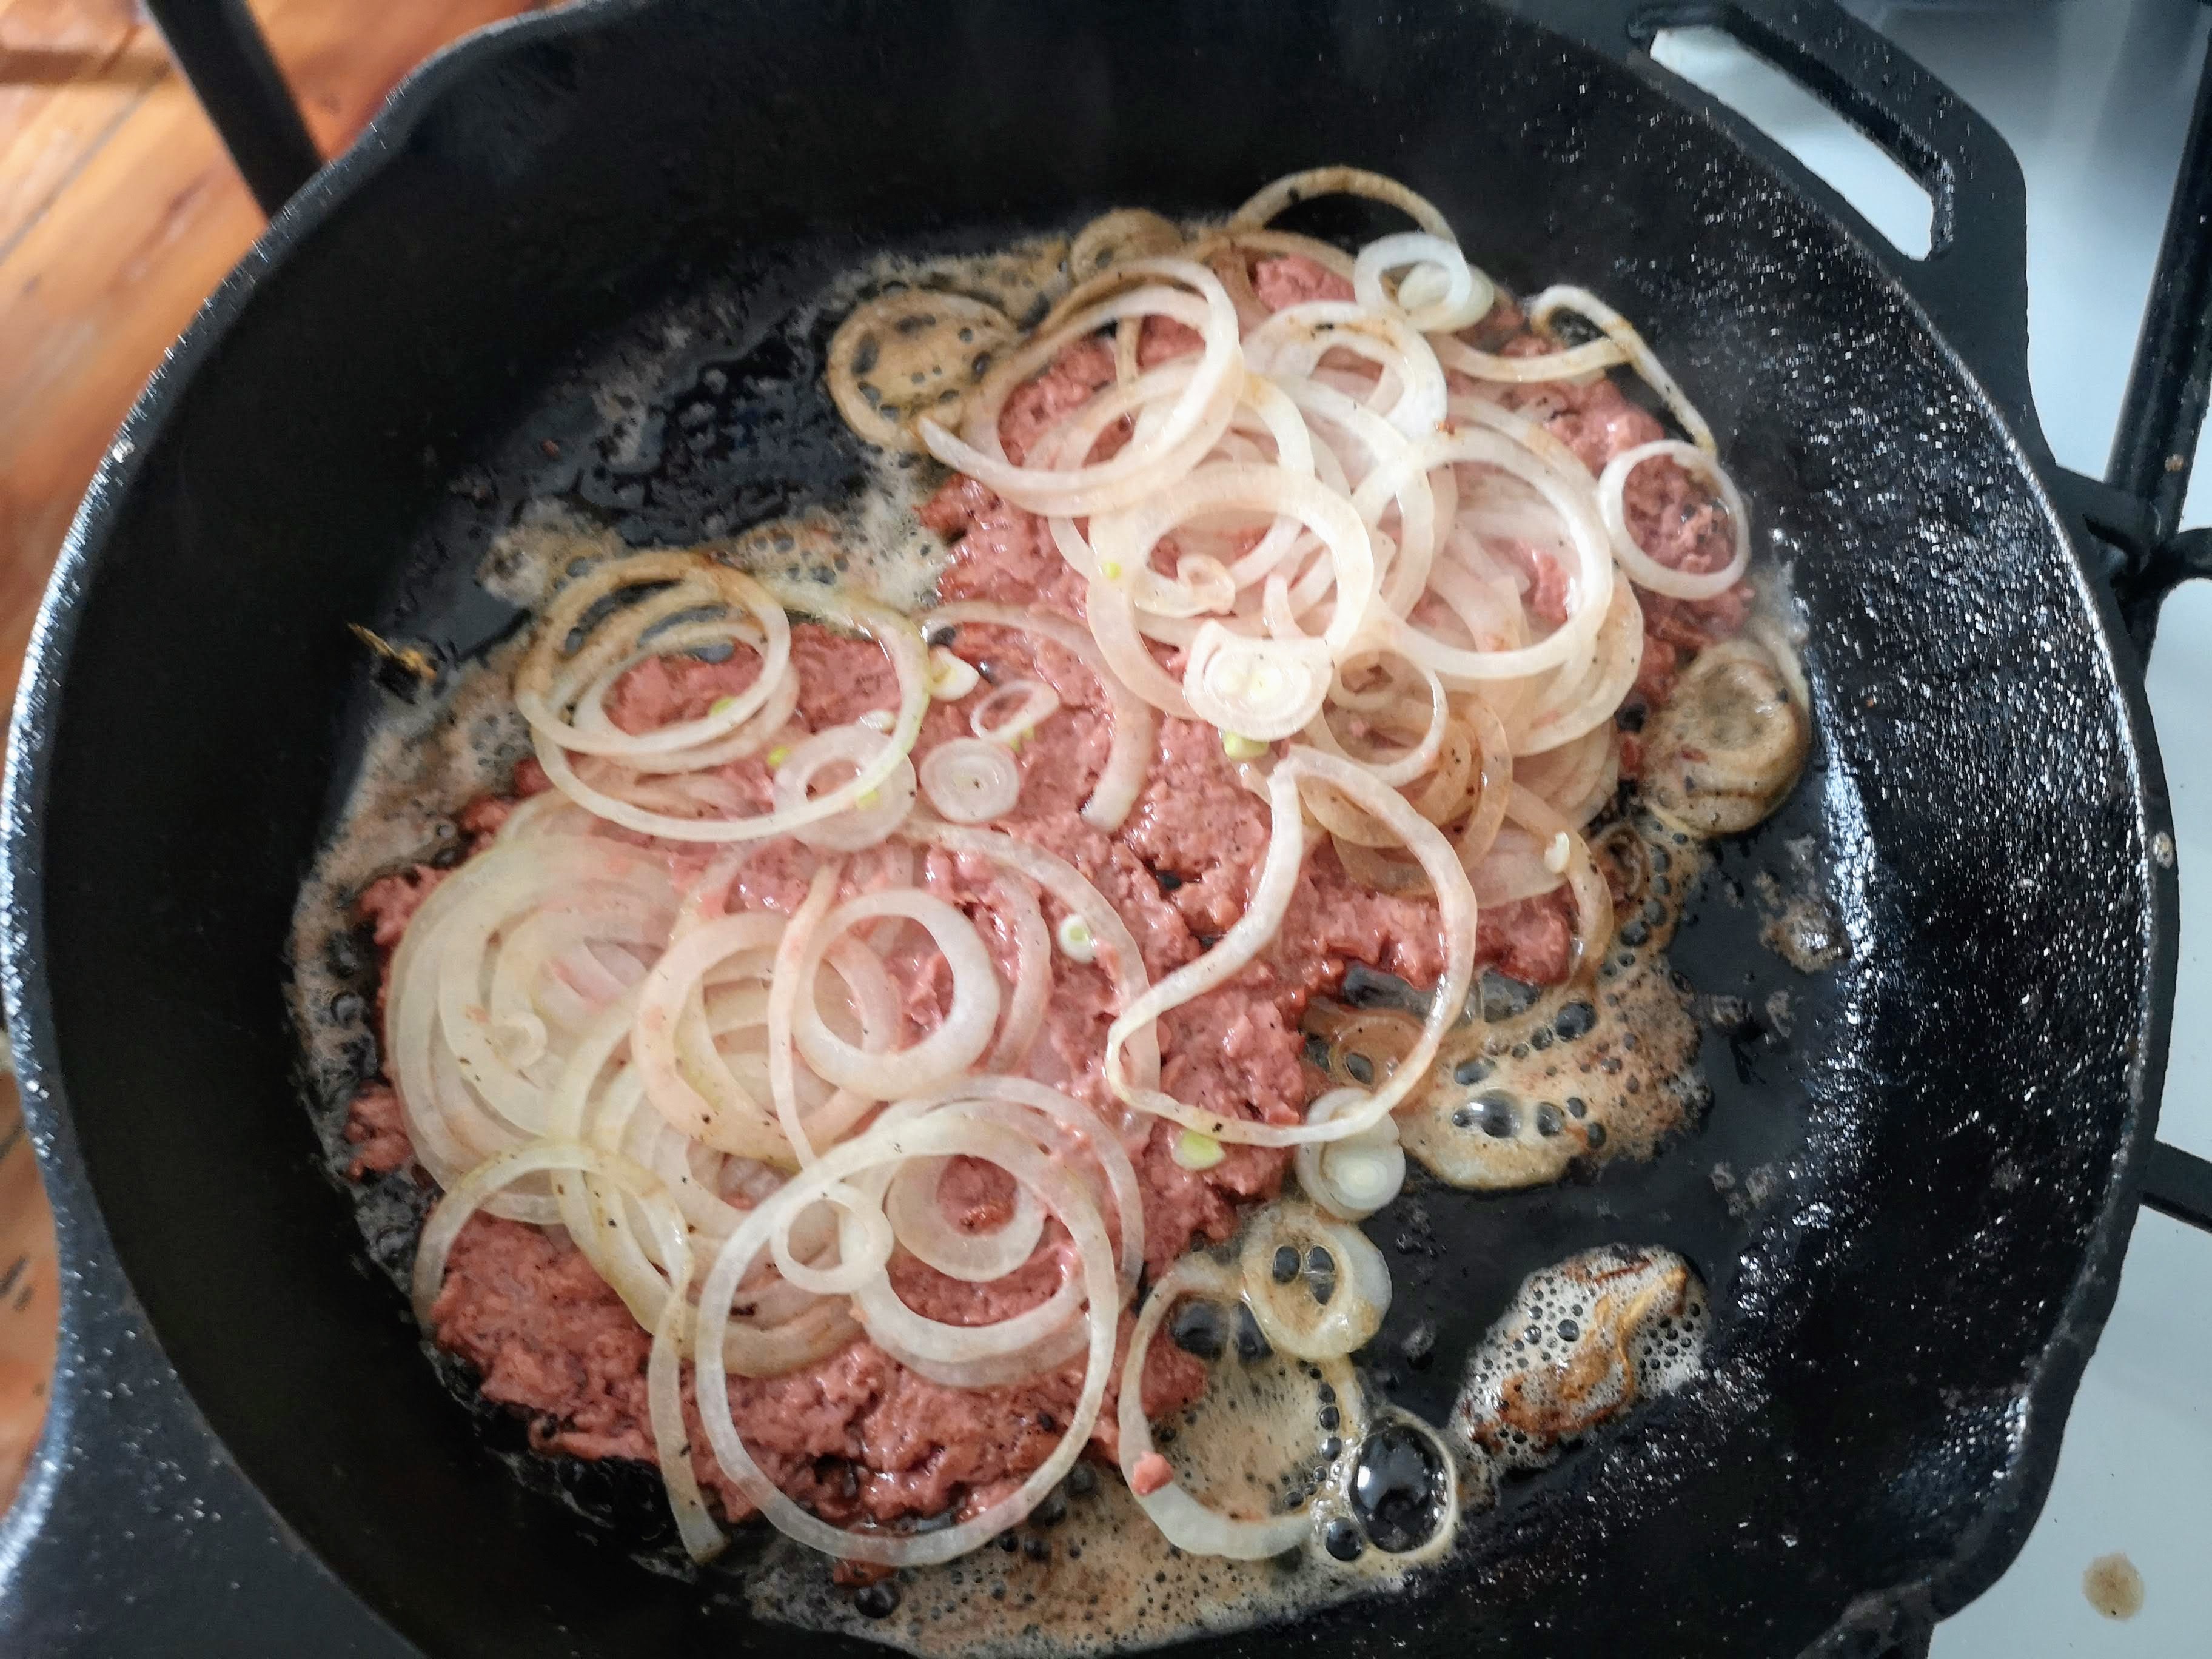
<point x="2094" y="97"/>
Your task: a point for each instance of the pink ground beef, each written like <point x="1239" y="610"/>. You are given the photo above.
<point x="856" y="1436"/>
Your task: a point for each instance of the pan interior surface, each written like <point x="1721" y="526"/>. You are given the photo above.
<point x="625" y="208"/>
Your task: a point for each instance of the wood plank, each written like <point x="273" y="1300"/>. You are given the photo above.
<point x="100" y="282"/>
<point x="65" y="82"/>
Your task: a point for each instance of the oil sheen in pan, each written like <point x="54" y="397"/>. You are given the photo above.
<point x="1083" y="1573"/>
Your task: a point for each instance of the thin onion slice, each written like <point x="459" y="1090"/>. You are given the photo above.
<point x="1646" y="571"/>
<point x="1263" y="916"/>
<point x="1185" y="1522"/>
<point x="873" y="817"/>
<point x="945" y="1134"/>
<point x="1129" y="753"/>
<point x="1296" y="1316"/>
<point x="1293" y="188"/>
<point x="971" y="781"/>
<point x="959" y="1039"/>
<point x="1350" y="1179"/>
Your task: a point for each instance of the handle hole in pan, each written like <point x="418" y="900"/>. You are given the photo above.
<point x="1853" y="165"/>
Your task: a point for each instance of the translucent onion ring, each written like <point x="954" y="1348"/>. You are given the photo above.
<point x="1642" y="568"/>
<point x="716" y="583"/>
<point x="1129" y="754"/>
<point x="734" y="1122"/>
<point x="1591" y="703"/>
<point x="1350" y="1179"/>
<point x="1125" y="539"/>
<point x="1623" y="333"/>
<point x="959" y="1041"/>
<point x="917" y="1217"/>
<point x="910" y="658"/>
<point x="873" y="816"/>
<point x="1190" y="428"/>
<point x="971" y="781"/>
<point x="1287" y="1315"/>
<point x="1031" y="703"/>
<point x="943" y="1134"/>
<point x="1263" y="915"/>
<point x="1260" y="689"/>
<point x="1186" y="1522"/>
<point x="1032" y="988"/>
<point x="1293" y="188"/>
<point x="1124" y="961"/>
<point x="1466" y="295"/>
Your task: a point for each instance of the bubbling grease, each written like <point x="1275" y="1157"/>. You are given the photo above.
<point x="1581" y="1343"/>
<point x="1088" y="1572"/>
<point x="1594" y="1071"/>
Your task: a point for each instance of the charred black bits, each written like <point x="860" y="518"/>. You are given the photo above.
<point x="1197" y="1328"/>
<point x="1397" y="1488"/>
<point x="1342" y="1540"/>
<point x="877" y="1601"/>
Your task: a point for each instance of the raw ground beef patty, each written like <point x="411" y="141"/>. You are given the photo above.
<point x="856" y="1436"/>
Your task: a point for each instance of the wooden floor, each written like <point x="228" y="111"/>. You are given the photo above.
<point x="119" y="213"/>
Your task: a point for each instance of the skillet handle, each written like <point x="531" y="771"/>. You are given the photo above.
<point x="219" y="47"/>
<point x="1973" y="283"/>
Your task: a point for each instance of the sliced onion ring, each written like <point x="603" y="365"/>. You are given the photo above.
<point x="1646" y="571"/>
<point x="1289" y="1314"/>
<point x="971" y="781"/>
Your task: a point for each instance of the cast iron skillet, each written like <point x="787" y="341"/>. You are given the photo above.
<point x="1955" y="1117"/>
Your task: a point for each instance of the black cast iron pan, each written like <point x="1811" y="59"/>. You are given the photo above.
<point x="247" y="1454"/>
